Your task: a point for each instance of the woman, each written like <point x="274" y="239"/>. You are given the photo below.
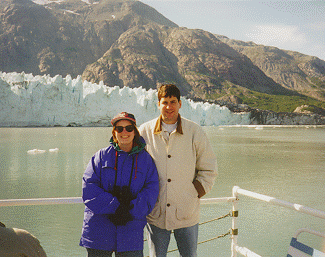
<point x="120" y="188"/>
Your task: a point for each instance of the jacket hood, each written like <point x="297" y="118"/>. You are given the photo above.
<point x="135" y="149"/>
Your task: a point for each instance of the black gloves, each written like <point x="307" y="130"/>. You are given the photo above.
<point x="122" y="214"/>
<point x="123" y="194"/>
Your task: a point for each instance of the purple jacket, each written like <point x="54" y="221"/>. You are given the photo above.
<point x="98" y="231"/>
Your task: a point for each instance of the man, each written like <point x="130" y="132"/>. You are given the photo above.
<point x="16" y="242"/>
<point x="186" y="168"/>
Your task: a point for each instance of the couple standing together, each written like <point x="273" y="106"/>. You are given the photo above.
<point x="153" y="176"/>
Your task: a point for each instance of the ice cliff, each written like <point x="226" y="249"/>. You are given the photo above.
<point x="27" y="100"/>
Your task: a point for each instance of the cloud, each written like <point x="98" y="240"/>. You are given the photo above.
<point x="282" y="36"/>
<point x="316" y="26"/>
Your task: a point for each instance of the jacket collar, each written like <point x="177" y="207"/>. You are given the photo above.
<point x="158" y="126"/>
<point x="135" y="149"/>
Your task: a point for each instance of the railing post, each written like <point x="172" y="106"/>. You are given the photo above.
<point x="234" y="226"/>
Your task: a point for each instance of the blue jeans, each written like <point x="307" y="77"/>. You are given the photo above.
<point x="103" y="253"/>
<point x="186" y="239"/>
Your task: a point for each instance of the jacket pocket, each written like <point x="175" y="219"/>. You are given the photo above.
<point x="188" y="204"/>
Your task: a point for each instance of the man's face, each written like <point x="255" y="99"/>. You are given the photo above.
<point x="169" y="107"/>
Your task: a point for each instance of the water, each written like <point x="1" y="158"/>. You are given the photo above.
<point x="284" y="162"/>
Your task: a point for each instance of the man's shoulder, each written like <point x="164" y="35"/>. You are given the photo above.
<point x="189" y="123"/>
<point x="149" y="124"/>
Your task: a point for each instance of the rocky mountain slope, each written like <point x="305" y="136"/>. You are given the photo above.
<point x="63" y="37"/>
<point x="292" y="70"/>
<point x="128" y="43"/>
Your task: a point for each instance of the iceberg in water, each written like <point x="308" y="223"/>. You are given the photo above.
<point x="54" y="150"/>
<point x="36" y="151"/>
<point x="27" y="100"/>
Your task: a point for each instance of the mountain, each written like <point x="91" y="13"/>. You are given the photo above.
<point x="64" y="37"/>
<point x="292" y="70"/>
<point x="128" y="43"/>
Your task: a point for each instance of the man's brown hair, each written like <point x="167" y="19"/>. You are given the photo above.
<point x="168" y="90"/>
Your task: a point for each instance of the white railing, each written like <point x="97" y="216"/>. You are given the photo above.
<point x="235" y="248"/>
<point x="236" y="191"/>
<point x="40" y="201"/>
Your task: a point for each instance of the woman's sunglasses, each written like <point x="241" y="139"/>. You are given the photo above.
<point x="128" y="128"/>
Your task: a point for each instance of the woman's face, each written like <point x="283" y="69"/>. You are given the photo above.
<point x="124" y="138"/>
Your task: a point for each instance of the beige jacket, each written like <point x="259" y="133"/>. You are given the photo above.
<point x="187" y="168"/>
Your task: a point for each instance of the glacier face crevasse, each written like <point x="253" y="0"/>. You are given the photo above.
<point x="27" y="100"/>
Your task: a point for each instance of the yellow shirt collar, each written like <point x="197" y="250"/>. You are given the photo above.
<point x="158" y="126"/>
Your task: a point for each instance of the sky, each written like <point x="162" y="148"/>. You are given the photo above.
<point x="290" y="25"/>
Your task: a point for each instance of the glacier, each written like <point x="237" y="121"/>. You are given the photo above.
<point x="33" y="101"/>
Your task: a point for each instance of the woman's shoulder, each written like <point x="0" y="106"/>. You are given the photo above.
<point x="105" y="151"/>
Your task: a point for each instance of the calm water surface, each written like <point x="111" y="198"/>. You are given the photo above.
<point x="284" y="162"/>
